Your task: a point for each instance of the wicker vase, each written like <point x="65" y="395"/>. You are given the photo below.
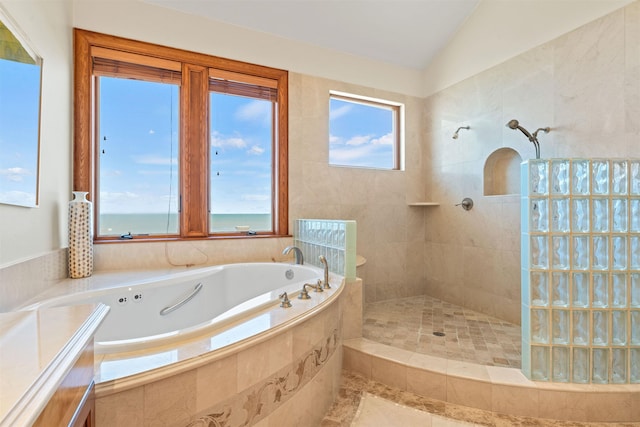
<point x="80" y="236"/>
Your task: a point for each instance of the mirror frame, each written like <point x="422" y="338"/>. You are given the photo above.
<point x="31" y="197"/>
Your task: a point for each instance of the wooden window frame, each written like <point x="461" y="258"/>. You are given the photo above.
<point x="194" y="126"/>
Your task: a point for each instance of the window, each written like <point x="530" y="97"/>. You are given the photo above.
<point x="364" y="132"/>
<point x="175" y="144"/>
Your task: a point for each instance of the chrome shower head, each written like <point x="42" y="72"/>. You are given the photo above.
<point x="455" y="134"/>
<point x="514" y="124"/>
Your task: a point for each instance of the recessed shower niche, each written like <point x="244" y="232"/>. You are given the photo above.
<point x="502" y="172"/>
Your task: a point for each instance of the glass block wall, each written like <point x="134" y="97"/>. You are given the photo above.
<point x="335" y="239"/>
<point x="581" y="270"/>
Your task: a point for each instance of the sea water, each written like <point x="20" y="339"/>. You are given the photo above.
<point x="136" y="224"/>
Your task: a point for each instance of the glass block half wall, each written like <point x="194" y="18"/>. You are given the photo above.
<point x="581" y="270"/>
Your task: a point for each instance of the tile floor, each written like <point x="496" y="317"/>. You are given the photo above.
<point x="410" y="324"/>
<point x="444" y="414"/>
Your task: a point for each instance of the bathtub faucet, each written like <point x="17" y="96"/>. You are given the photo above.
<point x="304" y="293"/>
<point x="296" y="251"/>
<point x="323" y="260"/>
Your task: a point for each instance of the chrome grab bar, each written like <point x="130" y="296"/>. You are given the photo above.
<point x="179" y="304"/>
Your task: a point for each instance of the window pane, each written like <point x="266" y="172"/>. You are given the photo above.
<point x="138" y="157"/>
<point x="241" y="163"/>
<point x="19" y="124"/>
<point x="362" y="134"/>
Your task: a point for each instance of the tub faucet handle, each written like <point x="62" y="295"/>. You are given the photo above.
<point x="304" y="293"/>
<point x="285" y="300"/>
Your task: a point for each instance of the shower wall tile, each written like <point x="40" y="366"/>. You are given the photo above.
<point x="584" y="59"/>
<point x="585" y="85"/>
<point x="632" y="68"/>
<point x="376" y="200"/>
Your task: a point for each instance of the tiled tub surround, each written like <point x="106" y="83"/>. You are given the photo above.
<point x="581" y="270"/>
<point x="279" y="377"/>
<point x="280" y="358"/>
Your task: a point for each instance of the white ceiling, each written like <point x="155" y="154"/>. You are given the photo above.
<point x="406" y="33"/>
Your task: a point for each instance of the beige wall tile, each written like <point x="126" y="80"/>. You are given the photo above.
<point x="357" y="361"/>
<point x="463" y="391"/>
<point x="121" y="409"/>
<point x="515" y="400"/>
<point x="258" y="362"/>
<point x="215" y="382"/>
<point x="171" y="401"/>
<point x="427" y="383"/>
<point x="390" y="373"/>
<point x="585" y="85"/>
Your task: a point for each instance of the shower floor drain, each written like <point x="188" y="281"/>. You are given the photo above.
<point x="439" y="334"/>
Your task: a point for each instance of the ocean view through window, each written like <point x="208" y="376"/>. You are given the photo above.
<point x="183" y="145"/>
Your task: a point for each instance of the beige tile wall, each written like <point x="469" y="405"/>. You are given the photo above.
<point x="24" y="280"/>
<point x="390" y="234"/>
<point x="585" y="85"/>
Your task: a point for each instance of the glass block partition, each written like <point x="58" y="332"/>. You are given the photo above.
<point x="581" y="270"/>
<point x="335" y="239"/>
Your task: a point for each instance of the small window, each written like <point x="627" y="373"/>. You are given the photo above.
<point x="364" y="132"/>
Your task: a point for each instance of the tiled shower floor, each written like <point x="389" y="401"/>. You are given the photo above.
<point x="410" y="324"/>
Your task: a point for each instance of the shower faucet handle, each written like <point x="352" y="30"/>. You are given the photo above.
<point x="466" y="204"/>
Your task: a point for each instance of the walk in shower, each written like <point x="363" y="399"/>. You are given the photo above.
<point x="581" y="270"/>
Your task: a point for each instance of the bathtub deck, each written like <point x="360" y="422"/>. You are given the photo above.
<point x="410" y="323"/>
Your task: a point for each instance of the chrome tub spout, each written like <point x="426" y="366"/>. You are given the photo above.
<point x="323" y="260"/>
<point x="299" y="258"/>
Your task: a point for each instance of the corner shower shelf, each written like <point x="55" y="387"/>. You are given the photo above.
<point x="424" y="204"/>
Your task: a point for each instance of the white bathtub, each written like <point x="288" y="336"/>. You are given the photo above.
<point x="153" y="312"/>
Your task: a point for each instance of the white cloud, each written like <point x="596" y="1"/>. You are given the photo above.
<point x="336" y="113"/>
<point x="383" y="140"/>
<point x="16" y="174"/>
<point x="220" y="141"/>
<point x="342" y="155"/>
<point x="359" y="140"/>
<point x="335" y="139"/>
<point x="256" y="150"/>
<point x="155" y="160"/>
<point x="151" y="131"/>
<point x="258" y="110"/>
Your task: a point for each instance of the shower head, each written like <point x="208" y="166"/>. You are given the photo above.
<point x="455" y="134"/>
<point x="514" y="124"/>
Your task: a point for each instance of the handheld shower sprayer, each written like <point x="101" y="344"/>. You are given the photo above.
<point x="455" y="134"/>
<point x="514" y="124"/>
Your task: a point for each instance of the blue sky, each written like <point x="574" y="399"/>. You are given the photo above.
<point x="361" y="135"/>
<point x="139" y="131"/>
<point x="138" y="167"/>
<point x="19" y="105"/>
